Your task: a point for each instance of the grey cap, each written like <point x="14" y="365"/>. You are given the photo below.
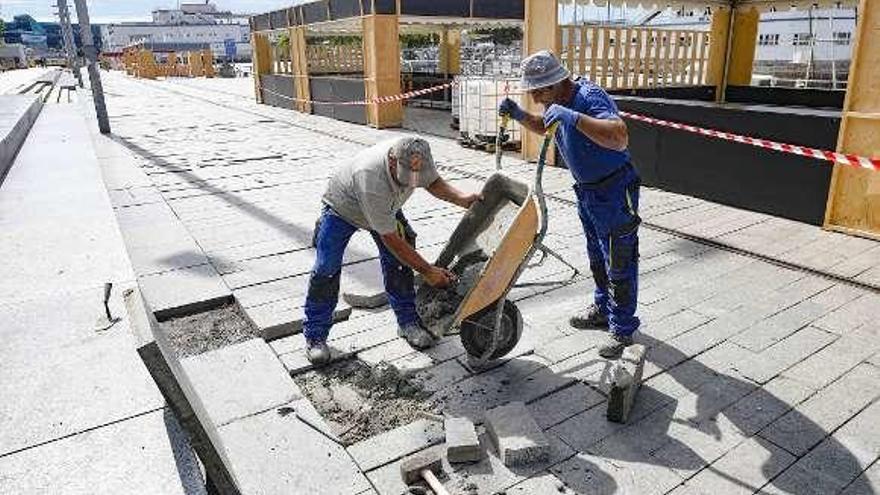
<point x="540" y="70"/>
<point x="403" y="150"/>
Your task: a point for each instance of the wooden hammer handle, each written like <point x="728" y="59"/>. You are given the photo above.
<point x="433" y="482"/>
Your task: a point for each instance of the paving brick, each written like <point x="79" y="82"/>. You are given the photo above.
<point x="743" y="470"/>
<point x="400" y="442"/>
<point x="830" y="363"/>
<point x="779" y="326"/>
<point x="586" y="473"/>
<point x="868" y="483"/>
<point x="462" y="444"/>
<point x="861" y="435"/>
<point x="826" y="469"/>
<point x="764" y="405"/>
<point x="225" y="381"/>
<point x="516" y="435"/>
<point x="439" y="376"/>
<point x="849" y="316"/>
<point x="691" y="446"/>
<point x="810" y="422"/>
<point x="763" y="366"/>
<point x="563" y="404"/>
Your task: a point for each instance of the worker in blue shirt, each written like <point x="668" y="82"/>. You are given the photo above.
<point x="592" y="140"/>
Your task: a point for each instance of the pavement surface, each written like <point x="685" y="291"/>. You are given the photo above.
<point x="763" y="370"/>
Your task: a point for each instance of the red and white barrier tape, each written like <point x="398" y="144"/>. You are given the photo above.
<point x="380" y="99"/>
<point x="831" y="156"/>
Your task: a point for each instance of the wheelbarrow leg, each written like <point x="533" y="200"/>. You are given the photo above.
<point x="545" y="251"/>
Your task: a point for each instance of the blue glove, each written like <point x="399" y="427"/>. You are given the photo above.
<point x="561" y="114"/>
<point x="511" y="108"/>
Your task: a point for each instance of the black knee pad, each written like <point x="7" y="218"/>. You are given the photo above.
<point x="401" y="280"/>
<point x="600" y="275"/>
<point x="621" y="291"/>
<point x="323" y="288"/>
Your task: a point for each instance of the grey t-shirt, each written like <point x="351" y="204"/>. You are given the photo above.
<point x="363" y="192"/>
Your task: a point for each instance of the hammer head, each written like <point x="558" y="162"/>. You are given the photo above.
<point x="411" y="468"/>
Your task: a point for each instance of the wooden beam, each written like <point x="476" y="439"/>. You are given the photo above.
<point x="854" y="198"/>
<point x="718" y="37"/>
<point x="594" y="52"/>
<point x="450" y="51"/>
<point x="300" y="68"/>
<point x="261" y="63"/>
<point x="540" y="32"/>
<point x="745" y="39"/>
<point x="382" y="69"/>
<point x="639" y="68"/>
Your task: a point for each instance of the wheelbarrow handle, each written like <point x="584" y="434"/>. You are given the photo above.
<point x="539" y="179"/>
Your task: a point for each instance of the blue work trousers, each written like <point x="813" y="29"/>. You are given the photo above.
<point x="331" y="238"/>
<point x="609" y="213"/>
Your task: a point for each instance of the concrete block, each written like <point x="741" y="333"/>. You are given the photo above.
<point x="392" y="445"/>
<point x="625" y="382"/>
<point x="18" y="115"/>
<point x="587" y="473"/>
<point x="272" y="453"/>
<point x="185" y="291"/>
<point x="561" y="405"/>
<point x="868" y="483"/>
<point x="764" y="405"/>
<point x="435" y="377"/>
<point x="516" y="434"/>
<point x="826" y="469"/>
<point x="284" y="318"/>
<point x="832" y="362"/>
<point x="462" y="443"/>
<point x="779" y="326"/>
<point x="240" y="380"/>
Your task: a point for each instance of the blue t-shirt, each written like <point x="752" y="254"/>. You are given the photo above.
<point x="587" y="161"/>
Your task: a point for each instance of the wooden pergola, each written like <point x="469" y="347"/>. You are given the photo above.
<point x="854" y="199"/>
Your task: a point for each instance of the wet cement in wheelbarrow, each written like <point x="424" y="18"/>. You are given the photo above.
<point x="360" y="401"/>
<point x="437" y="307"/>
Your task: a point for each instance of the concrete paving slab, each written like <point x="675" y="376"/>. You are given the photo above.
<point x="395" y="444"/>
<point x="832" y="362"/>
<point x="810" y="422"/>
<point x="145" y="454"/>
<point x="185" y="291"/>
<point x="68" y="389"/>
<point x="240" y="380"/>
<point x="773" y="360"/>
<point x="279" y="454"/>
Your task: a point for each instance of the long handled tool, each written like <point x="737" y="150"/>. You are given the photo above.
<point x="423" y="466"/>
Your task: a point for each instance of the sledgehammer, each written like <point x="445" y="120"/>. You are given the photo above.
<point x="423" y="465"/>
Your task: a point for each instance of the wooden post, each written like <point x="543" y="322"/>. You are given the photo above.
<point x="539" y="33"/>
<point x="171" y="65"/>
<point x="208" y="63"/>
<point x="262" y="61"/>
<point x="450" y="52"/>
<point x="745" y="40"/>
<point x="382" y="69"/>
<point x="718" y="38"/>
<point x="854" y="198"/>
<point x="300" y="67"/>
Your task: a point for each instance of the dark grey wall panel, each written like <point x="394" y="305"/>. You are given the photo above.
<point x="261" y="22"/>
<point x="736" y="174"/>
<point x="278" y="19"/>
<point x="340" y="9"/>
<point x="315" y="12"/>
<point x="385" y="6"/>
<point x="500" y="9"/>
<point x="334" y="88"/>
<point x="277" y="89"/>
<point x="812" y="98"/>
<point x="451" y="8"/>
<point x="699" y="93"/>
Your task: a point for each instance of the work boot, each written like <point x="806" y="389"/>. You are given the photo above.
<point x="416" y="335"/>
<point x="614" y="345"/>
<point x="592" y="318"/>
<point x="317" y="352"/>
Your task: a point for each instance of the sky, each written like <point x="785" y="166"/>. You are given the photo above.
<point x="106" y="11"/>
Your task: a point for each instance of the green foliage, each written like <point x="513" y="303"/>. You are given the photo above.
<point x="418" y="40"/>
<point x="334" y="40"/>
<point x="2" y="31"/>
<point x="501" y="35"/>
<point x="284" y="42"/>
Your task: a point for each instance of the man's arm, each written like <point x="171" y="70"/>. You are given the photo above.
<point x="443" y="190"/>
<point x="607" y="133"/>
<point x="534" y="123"/>
<point x="435" y="276"/>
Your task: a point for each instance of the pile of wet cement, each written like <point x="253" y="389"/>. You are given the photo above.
<point x="209" y="330"/>
<point x="437" y="307"/>
<point x="359" y="401"/>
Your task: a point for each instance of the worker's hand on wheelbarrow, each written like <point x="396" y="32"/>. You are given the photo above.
<point x="511" y="108"/>
<point x="469" y="199"/>
<point x="439" y="278"/>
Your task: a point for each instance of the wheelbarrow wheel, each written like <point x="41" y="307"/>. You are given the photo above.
<point x="476" y="331"/>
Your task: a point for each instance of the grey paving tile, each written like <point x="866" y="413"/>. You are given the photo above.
<point x="813" y="420"/>
<point x="184" y="291"/>
<point x="392" y="445"/>
<point x="744" y="469"/>
<point x="226" y="381"/>
<point x="763" y="366"/>
<point x="273" y="453"/>
<point x="830" y="363"/>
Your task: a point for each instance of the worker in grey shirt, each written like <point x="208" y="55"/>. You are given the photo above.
<point x="368" y="193"/>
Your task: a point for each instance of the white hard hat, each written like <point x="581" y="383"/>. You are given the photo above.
<point x="540" y="70"/>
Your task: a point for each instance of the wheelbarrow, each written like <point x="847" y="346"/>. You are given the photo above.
<point x="488" y="323"/>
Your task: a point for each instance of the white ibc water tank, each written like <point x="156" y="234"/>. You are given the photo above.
<point x="476" y="105"/>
